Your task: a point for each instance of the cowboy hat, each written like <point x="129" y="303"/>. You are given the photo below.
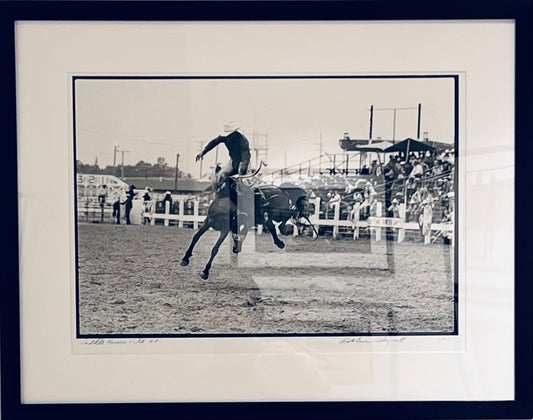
<point x="229" y="128"/>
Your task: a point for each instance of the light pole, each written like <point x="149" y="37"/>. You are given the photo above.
<point x="177" y="171"/>
<point x="122" y="165"/>
<point x="115" y="148"/>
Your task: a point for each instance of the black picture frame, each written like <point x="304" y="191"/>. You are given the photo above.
<point x="521" y="11"/>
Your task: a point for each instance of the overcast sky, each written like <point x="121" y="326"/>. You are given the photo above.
<point x="161" y="118"/>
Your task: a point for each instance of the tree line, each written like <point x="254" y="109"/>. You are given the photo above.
<point x="141" y="169"/>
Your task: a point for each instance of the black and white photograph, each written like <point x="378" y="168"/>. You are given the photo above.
<point x="265" y="205"/>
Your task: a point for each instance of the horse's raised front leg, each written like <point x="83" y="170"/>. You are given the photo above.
<point x="204" y="228"/>
<point x="205" y="274"/>
<point x="270" y="226"/>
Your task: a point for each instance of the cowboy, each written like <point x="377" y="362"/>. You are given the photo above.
<point x="119" y="198"/>
<point x="147" y="205"/>
<point x="102" y="194"/>
<point x="129" y="202"/>
<point x="239" y="152"/>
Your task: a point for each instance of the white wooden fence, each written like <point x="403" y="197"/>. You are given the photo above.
<point x="350" y="226"/>
<point x="377" y="223"/>
<point x="181" y="217"/>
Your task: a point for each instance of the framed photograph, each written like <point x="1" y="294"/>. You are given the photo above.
<point x="314" y="209"/>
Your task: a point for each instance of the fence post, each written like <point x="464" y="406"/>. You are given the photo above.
<point x="427" y="219"/>
<point x="316" y="222"/>
<point x="379" y="213"/>
<point x="427" y="236"/>
<point x="181" y="211"/>
<point x="355" y="220"/>
<point x="167" y="212"/>
<point x="401" y="232"/>
<point x="195" y="211"/>
<point x="336" y="218"/>
<point x="153" y="205"/>
<point x="317" y="208"/>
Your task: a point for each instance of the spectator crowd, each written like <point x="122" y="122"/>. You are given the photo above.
<point x="421" y="183"/>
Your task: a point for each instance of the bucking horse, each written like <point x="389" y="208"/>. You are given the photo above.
<point x="239" y="206"/>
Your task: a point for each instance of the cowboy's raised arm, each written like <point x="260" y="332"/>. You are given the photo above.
<point x="211" y="145"/>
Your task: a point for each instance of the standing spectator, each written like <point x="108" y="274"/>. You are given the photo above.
<point x="428" y="161"/>
<point x="410" y="188"/>
<point x="418" y="170"/>
<point x="358" y="196"/>
<point x="400" y="179"/>
<point x="334" y="198"/>
<point x="369" y="194"/>
<point x="394" y="209"/>
<point x="129" y="203"/>
<point x="437" y="168"/>
<point x="414" y="203"/>
<point x="402" y="172"/>
<point x="374" y="168"/>
<point x="146" y="194"/>
<point x="390" y="171"/>
<point x="118" y="199"/>
<point x="355" y="213"/>
<point x="426" y="211"/>
<point x="167" y="197"/>
<point x="447" y="162"/>
<point x="390" y="174"/>
<point x="147" y="204"/>
<point x="102" y="194"/>
<point x="407" y="168"/>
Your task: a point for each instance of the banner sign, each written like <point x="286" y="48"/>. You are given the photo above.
<point x="98" y="180"/>
<point x="382" y="222"/>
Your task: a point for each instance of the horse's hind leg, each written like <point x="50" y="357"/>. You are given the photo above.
<point x="205" y="274"/>
<point x="196" y="237"/>
<point x="270" y="226"/>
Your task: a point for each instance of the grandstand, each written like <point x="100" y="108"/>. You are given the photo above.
<point x="342" y="178"/>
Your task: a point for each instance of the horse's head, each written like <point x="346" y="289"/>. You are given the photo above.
<point x="302" y="205"/>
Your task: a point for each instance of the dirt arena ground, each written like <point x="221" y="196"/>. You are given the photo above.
<point x="130" y="282"/>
